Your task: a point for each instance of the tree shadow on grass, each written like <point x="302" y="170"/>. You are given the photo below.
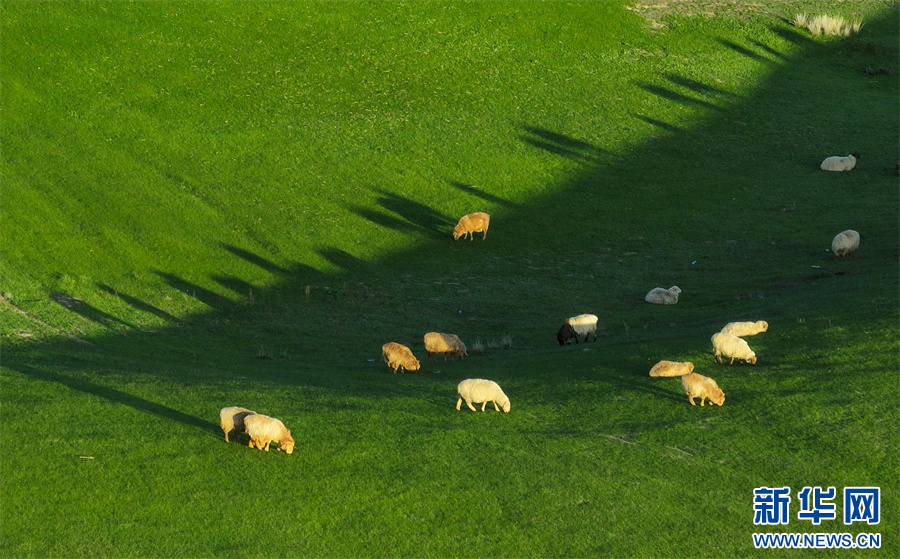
<point x="137" y="303"/>
<point x="117" y="396"/>
<point x="405" y="215"/>
<point x="91" y="313"/>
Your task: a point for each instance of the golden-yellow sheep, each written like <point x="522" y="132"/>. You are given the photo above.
<point x="398" y="356"/>
<point x="671" y="369"/>
<point x="232" y="419"/>
<point x="446" y="344"/>
<point x="472" y="223"/>
<point x="741" y="329"/>
<point x="264" y="430"/>
<point x="699" y="386"/>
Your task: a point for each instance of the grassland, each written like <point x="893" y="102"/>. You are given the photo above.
<point x="220" y="203"/>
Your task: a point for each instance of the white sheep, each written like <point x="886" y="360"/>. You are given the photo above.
<point x="699" y="386"/>
<point x="839" y="163"/>
<point x="263" y="430"/>
<point x="398" y="356"/>
<point x="232" y="418"/>
<point x="583" y="325"/>
<point x="481" y="391"/>
<point x="472" y="223"/>
<point x="741" y="329"/>
<point x="438" y="342"/>
<point x="672" y="369"/>
<point x="730" y="345"/>
<point x="660" y="296"/>
<point x="845" y="242"/>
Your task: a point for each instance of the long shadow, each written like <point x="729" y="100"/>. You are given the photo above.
<point x="137" y="303"/>
<point x="745" y="51"/>
<point x="255" y="259"/>
<point x="479" y="192"/>
<point x="91" y="313"/>
<point x="405" y="215"/>
<point x="563" y="145"/>
<point x="111" y="394"/>
<point x="671" y="95"/>
<point x="205" y="296"/>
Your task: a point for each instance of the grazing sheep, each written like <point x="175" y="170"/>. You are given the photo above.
<point x="566" y="333"/>
<point x="584" y="325"/>
<point x="660" y="296"/>
<point x="472" y="223"/>
<point x="699" y="386"/>
<point x="398" y="356"/>
<point x="730" y="345"/>
<point x="436" y="342"/>
<point x="741" y="329"/>
<point x="845" y="242"/>
<point x="838" y="163"/>
<point x="671" y="369"/>
<point x="264" y="429"/>
<point x="477" y="390"/>
<point x="233" y="419"/>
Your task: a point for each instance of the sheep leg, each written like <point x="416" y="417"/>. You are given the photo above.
<point x="703" y="399"/>
<point x="485" y="235"/>
<point x="495" y="406"/>
<point x="732" y="360"/>
<point x="267" y="446"/>
<point x="471" y="407"/>
<point x="691" y="399"/>
<point x="483" y="404"/>
<point x="226" y="436"/>
<point x="718" y="359"/>
<point x="250" y="444"/>
<point x="458" y="404"/>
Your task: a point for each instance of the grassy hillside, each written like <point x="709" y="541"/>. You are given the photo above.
<point x="217" y="203"/>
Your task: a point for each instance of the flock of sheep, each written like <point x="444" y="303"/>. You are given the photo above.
<point x="729" y="342"/>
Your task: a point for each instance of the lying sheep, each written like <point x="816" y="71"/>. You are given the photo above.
<point x="472" y="223"/>
<point x="699" y="386"/>
<point x="436" y="342"/>
<point x="477" y="390"/>
<point x="730" y="345"/>
<point x="263" y="430"/>
<point x="660" y="296"/>
<point x="741" y="329"/>
<point x="398" y="356"/>
<point x="845" y="242"/>
<point x="232" y="419"/>
<point x="671" y="369"/>
<point x="838" y="163"/>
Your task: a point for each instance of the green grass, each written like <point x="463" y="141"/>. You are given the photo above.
<point x="217" y="203"/>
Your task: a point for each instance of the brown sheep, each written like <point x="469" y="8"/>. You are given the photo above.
<point x="436" y="342"/>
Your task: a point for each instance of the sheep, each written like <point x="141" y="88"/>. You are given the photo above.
<point x="731" y="346"/>
<point x="264" y="429"/>
<point x="699" y="386"/>
<point x="574" y="326"/>
<point x="472" y="223"/>
<point x="660" y="296"/>
<point x="845" y="242"/>
<point x="838" y="163"/>
<point x="398" y="356"/>
<point x="566" y="332"/>
<point x="436" y="342"/>
<point x="584" y="325"/>
<point x="481" y="391"/>
<point x="233" y="419"/>
<point x="671" y="369"/>
<point x="741" y="329"/>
